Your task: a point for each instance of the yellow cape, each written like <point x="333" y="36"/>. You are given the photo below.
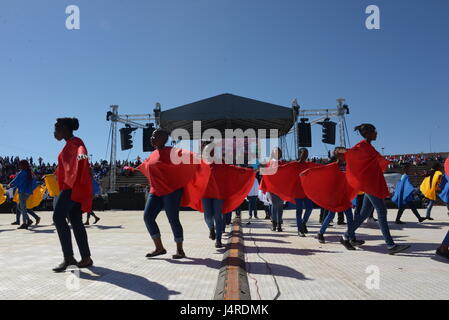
<point x="35" y="199"/>
<point x="430" y="191"/>
<point x="2" y="194"/>
<point x="52" y="185"/>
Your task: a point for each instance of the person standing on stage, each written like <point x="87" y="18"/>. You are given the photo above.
<point x="75" y="184"/>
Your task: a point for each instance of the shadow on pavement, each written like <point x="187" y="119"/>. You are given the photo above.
<point x="7" y="230"/>
<point x="131" y="282"/>
<point x="106" y="227"/>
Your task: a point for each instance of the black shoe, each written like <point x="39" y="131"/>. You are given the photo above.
<point x="274" y="227"/>
<point x="256" y="217"/>
<point x="30" y="222"/>
<point x="86" y="223"/>
<point x="421" y="219"/>
<point x="301" y="234"/>
<point x="341" y="223"/>
<point x="399" y="222"/>
<point x="38" y="219"/>
<point x="212" y="234"/>
<point x="279" y="228"/>
<point x="398" y="248"/>
<point x="85" y="263"/>
<point x="15" y="223"/>
<point x="68" y="261"/>
<point x="356" y="243"/>
<point x="347" y="244"/>
<point x="23" y="226"/>
<point x="320" y="238"/>
<point x="218" y="244"/>
<point x="96" y="220"/>
<point x="430" y="218"/>
<point x="305" y="229"/>
<point x="156" y="253"/>
<point x="444" y="254"/>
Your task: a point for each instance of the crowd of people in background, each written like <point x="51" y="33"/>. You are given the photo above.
<point x="397" y="161"/>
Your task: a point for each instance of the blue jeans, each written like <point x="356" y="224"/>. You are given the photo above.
<point x="67" y="208"/>
<point x="170" y="203"/>
<point x="369" y="202"/>
<point x="22" y="206"/>
<point x="446" y="239"/>
<point x="213" y="213"/>
<point x="252" y="206"/>
<point x="300" y="204"/>
<point x="429" y="208"/>
<point x="330" y="216"/>
<point x="276" y="209"/>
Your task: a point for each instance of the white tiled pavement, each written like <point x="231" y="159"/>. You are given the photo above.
<point x="303" y="268"/>
<point x="306" y="269"/>
<point x="118" y="244"/>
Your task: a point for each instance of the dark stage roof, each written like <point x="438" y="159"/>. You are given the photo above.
<point x="228" y="111"/>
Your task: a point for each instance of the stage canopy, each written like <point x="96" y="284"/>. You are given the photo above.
<point x="228" y="111"/>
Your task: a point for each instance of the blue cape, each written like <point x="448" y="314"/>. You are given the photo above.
<point x="95" y="187"/>
<point x="403" y="192"/>
<point x="22" y="183"/>
<point x="444" y="195"/>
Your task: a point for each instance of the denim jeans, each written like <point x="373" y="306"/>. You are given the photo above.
<point x="446" y="239"/>
<point x="213" y="215"/>
<point x="330" y="216"/>
<point x="369" y="202"/>
<point x="170" y="203"/>
<point x="29" y="211"/>
<point x="67" y="208"/>
<point x="22" y="206"/>
<point x="429" y="208"/>
<point x="276" y="208"/>
<point x="300" y="204"/>
<point x="252" y="206"/>
<point x="412" y="207"/>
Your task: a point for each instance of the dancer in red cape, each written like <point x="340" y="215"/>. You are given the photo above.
<point x="75" y="183"/>
<point x="327" y="186"/>
<point x="278" y="185"/>
<point x="364" y="170"/>
<point x="176" y="179"/>
<point x="227" y="187"/>
<point x="286" y="184"/>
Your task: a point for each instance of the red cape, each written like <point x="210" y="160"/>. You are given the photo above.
<point x="328" y="188"/>
<point x="165" y="177"/>
<point x="446" y="166"/>
<point x="73" y="173"/>
<point x="364" y="170"/>
<point x="285" y="183"/>
<point x="229" y="183"/>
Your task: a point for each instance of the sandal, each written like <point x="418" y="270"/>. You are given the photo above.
<point x="156" y="253"/>
<point x="179" y="255"/>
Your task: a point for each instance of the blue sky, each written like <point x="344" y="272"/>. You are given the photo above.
<point x="140" y="52"/>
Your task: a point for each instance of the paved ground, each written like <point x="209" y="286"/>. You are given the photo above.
<point x="305" y="269"/>
<point x="302" y="268"/>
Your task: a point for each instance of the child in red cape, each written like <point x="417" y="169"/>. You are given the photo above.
<point x="364" y="171"/>
<point x="327" y="186"/>
<point x="75" y="183"/>
<point x="278" y="185"/>
<point x="176" y="178"/>
<point x="286" y="184"/>
<point x="227" y="187"/>
<point x="443" y="249"/>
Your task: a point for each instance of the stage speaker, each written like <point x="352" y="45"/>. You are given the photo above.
<point x="304" y="134"/>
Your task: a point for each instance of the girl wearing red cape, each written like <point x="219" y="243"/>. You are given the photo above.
<point x="301" y="200"/>
<point x="327" y="186"/>
<point x="364" y="171"/>
<point x="227" y="187"/>
<point x="172" y="185"/>
<point x="271" y="184"/>
<point x="75" y="183"/>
